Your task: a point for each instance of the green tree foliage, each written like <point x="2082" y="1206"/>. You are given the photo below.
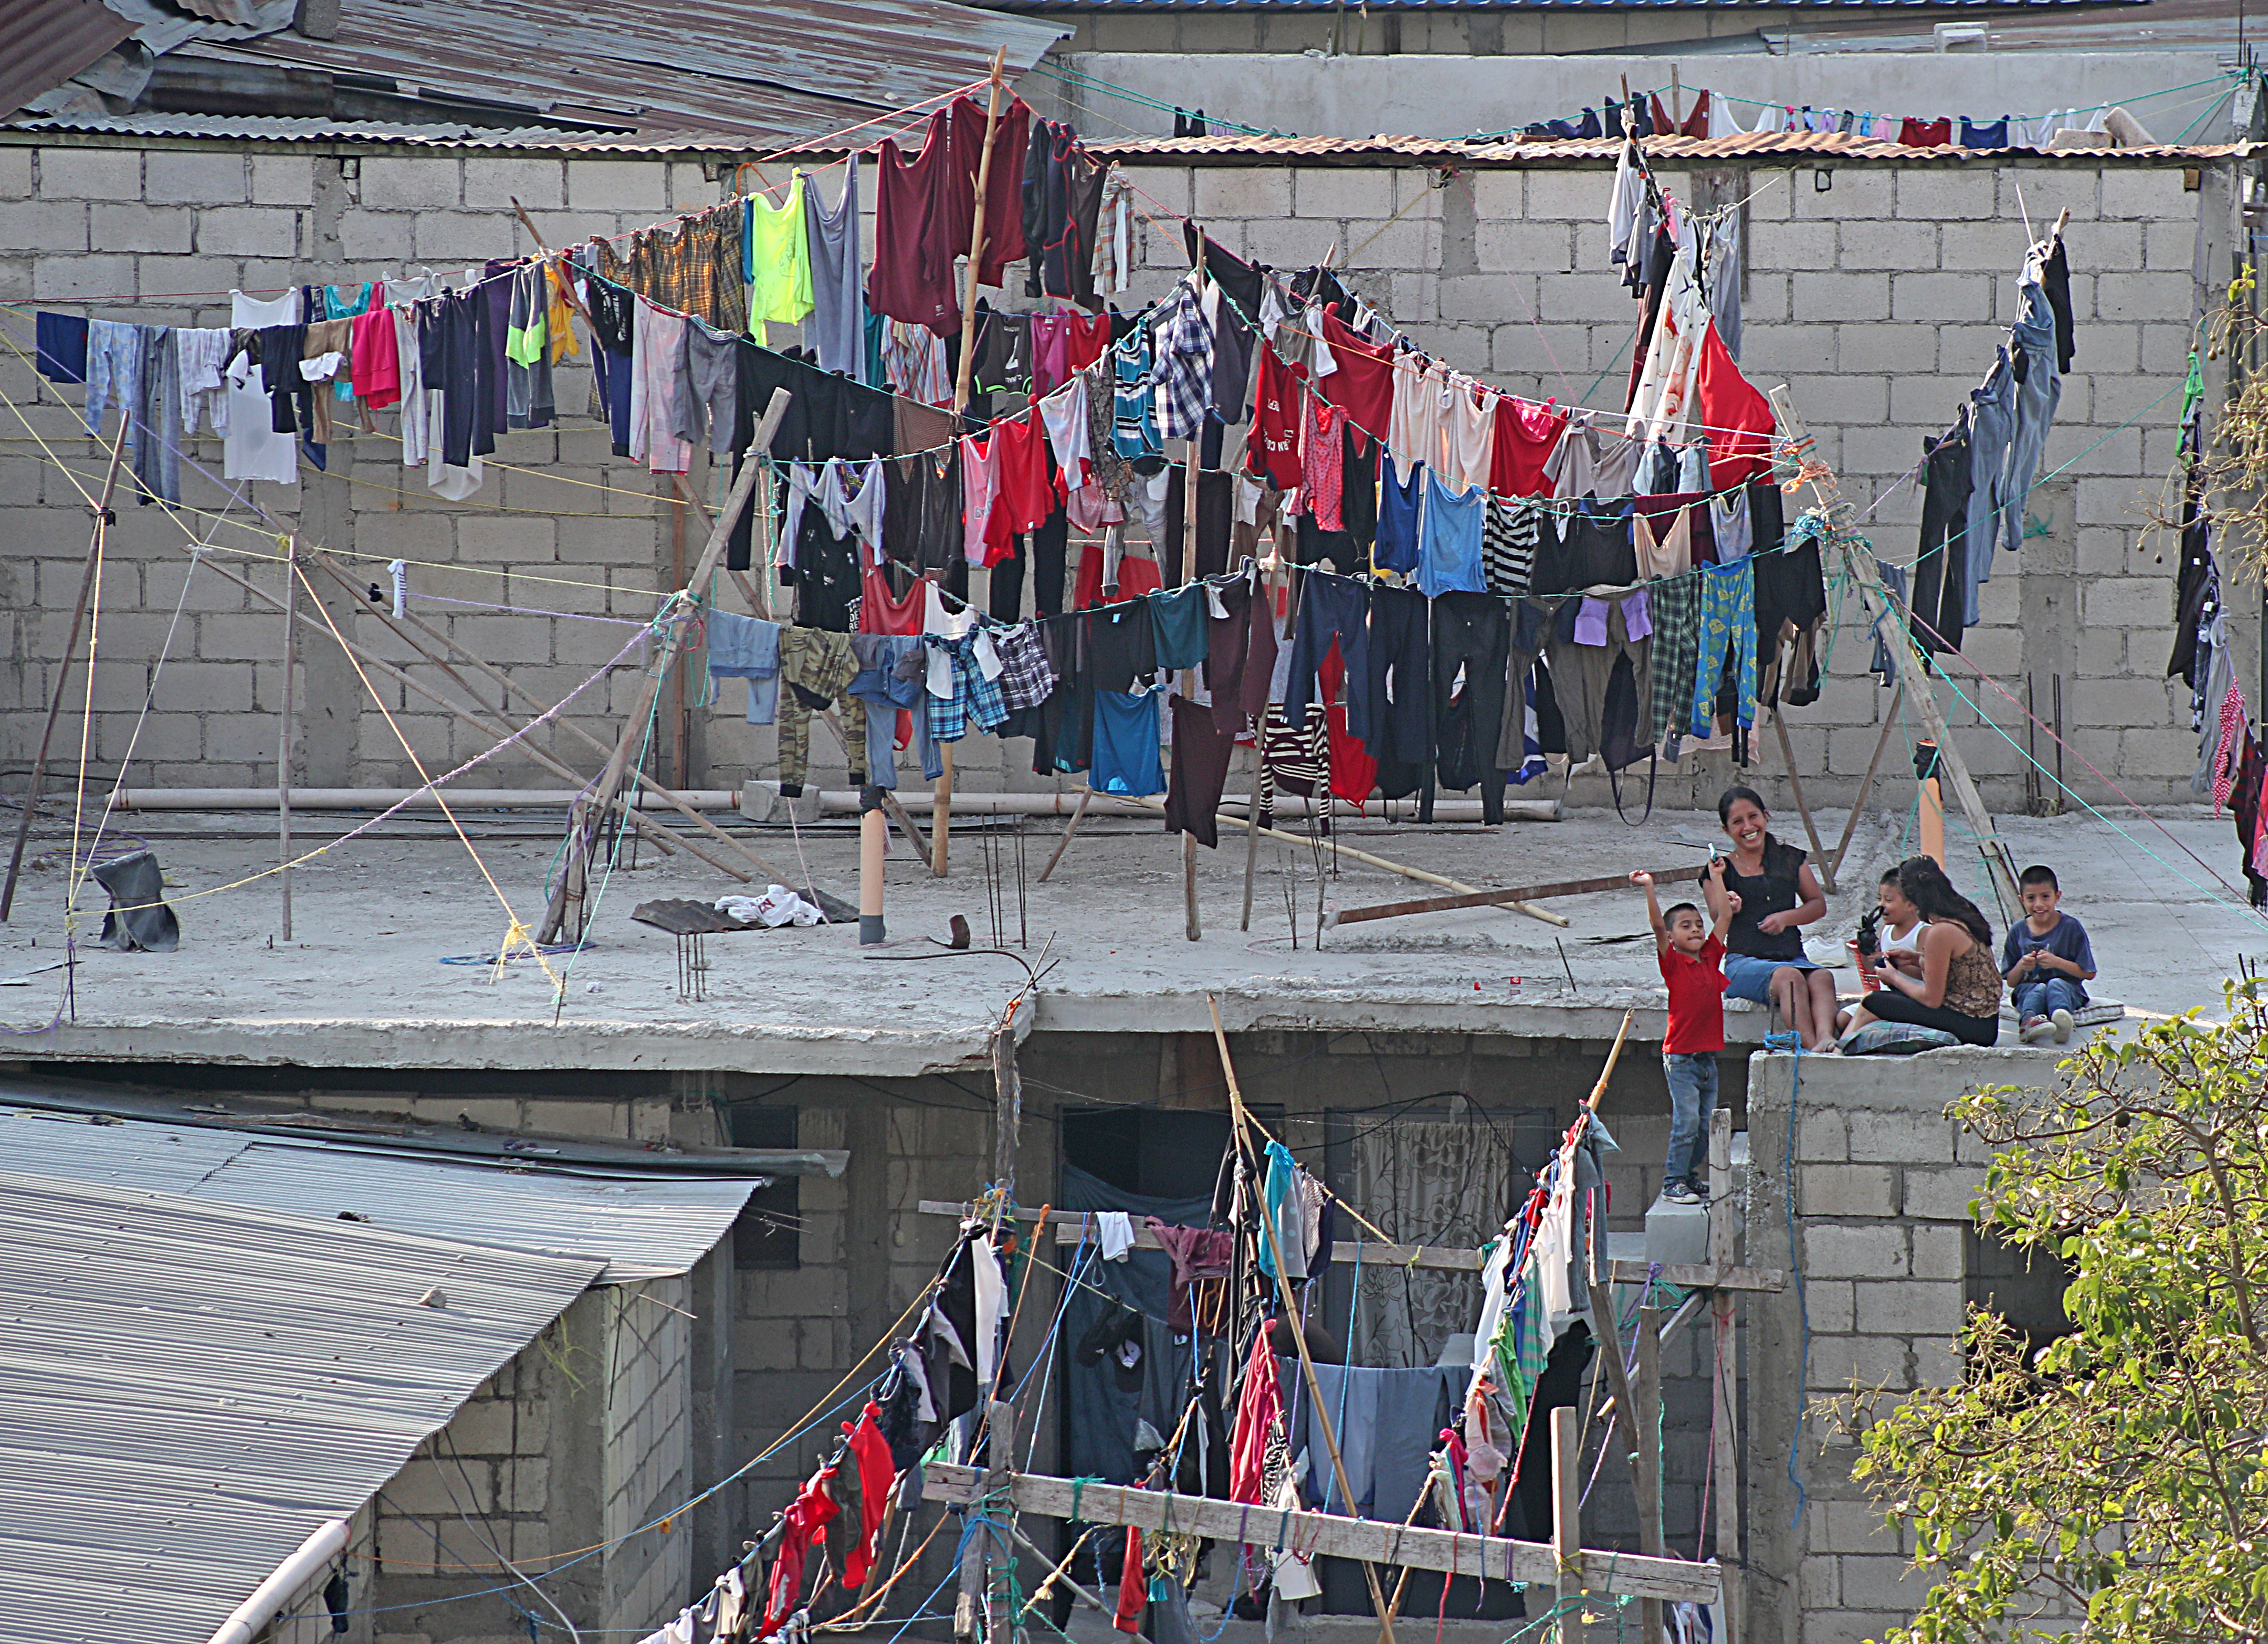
<point x="2110" y="1483"/>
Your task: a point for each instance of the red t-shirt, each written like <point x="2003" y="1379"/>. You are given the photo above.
<point x="1363" y="384"/>
<point x="1525" y="436"/>
<point x="1271" y="449"/>
<point x="1696" y="1000"/>
<point x="1027" y="493"/>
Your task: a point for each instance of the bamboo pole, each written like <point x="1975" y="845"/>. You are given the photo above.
<point x="103" y="518"/>
<point x="1291" y="1322"/>
<point x="1367" y="859"/>
<point x="942" y="805"/>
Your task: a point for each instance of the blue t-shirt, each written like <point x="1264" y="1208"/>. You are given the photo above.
<point x="1125" y="759"/>
<point x="2067" y="941"/>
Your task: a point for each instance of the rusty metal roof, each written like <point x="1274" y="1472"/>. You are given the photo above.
<point x="682" y="72"/>
<point x="50" y="40"/>
<point x="1816" y="146"/>
<point x="1052" y="7"/>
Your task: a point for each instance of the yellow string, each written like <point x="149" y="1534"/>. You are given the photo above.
<point x="78" y="866"/>
<point x="517" y="932"/>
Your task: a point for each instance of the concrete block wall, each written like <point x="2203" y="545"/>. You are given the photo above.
<point x="581" y="545"/>
<point x="646" y="1437"/>
<point x="1879" y="298"/>
<point x="481" y="1487"/>
<point x="1882" y="1181"/>
<point x="1878" y="292"/>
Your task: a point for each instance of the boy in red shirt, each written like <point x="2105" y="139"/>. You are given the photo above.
<point x="1692" y="958"/>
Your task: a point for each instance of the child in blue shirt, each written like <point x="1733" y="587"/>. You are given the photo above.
<point x="2045" y="959"/>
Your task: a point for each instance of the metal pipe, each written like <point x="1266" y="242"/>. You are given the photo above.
<point x="295" y="1572"/>
<point x="381" y="798"/>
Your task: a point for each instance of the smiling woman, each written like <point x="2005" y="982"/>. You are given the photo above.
<point x="1780" y="893"/>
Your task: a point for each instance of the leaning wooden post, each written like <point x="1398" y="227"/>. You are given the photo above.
<point x="1897" y="637"/>
<point x="1567" y="1522"/>
<point x="283" y="728"/>
<point x="567" y="900"/>
<point x="941" y="801"/>
<point x="103" y="517"/>
<point x="1291" y="1324"/>
<point x="1647" y="1393"/>
<point x="972" y="1608"/>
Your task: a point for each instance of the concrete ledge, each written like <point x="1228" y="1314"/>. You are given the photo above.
<point x="522" y="1046"/>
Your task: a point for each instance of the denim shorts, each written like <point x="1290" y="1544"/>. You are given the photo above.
<point x="1751" y="979"/>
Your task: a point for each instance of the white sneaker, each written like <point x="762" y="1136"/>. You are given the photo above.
<point x="2035" y="1029"/>
<point x="1680" y="1193"/>
<point x="2062" y="1020"/>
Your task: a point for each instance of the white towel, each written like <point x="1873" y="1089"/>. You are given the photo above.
<point x="1114" y="1230"/>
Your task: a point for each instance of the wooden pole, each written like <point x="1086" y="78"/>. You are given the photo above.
<point x="1070" y="827"/>
<point x="1723" y="1447"/>
<point x="565" y="910"/>
<point x="1489" y="899"/>
<point x="1365" y="858"/>
<point x="102" y="520"/>
<point x="941" y="804"/>
<point x="1899" y="639"/>
<point x="681" y="721"/>
<point x="972" y="1607"/>
<point x="1648" y="1414"/>
<point x="1567" y="1521"/>
<point x="1251" y="838"/>
<point x="874" y="842"/>
<point x="654" y="834"/>
<point x="1007" y="1104"/>
<point x="1190" y="927"/>
<point x="977" y="237"/>
<point x="284" y="729"/>
<point x="1291" y="1322"/>
<point x="1867" y="782"/>
<point x="1795" y="791"/>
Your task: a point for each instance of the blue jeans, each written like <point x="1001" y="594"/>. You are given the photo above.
<point x="1692" y="1097"/>
<point x="2047" y="996"/>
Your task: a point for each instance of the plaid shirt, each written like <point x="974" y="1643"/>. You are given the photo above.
<point x="1026" y="680"/>
<point x="1182" y="337"/>
<point x="973" y="696"/>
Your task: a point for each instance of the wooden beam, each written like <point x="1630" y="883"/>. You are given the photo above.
<point x="1440" y="1258"/>
<point x="1365" y="858"/>
<point x="1369" y="1541"/>
<point x="1898" y="636"/>
<point x="1725" y="1441"/>
<point x="1493" y="898"/>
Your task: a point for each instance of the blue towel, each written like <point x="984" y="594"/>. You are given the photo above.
<point x="748" y="647"/>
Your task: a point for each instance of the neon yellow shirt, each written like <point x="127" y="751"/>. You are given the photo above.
<point x="778" y="264"/>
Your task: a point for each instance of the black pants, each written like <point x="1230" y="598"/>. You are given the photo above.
<point x="1471" y="632"/>
<point x="1399" y="686"/>
<point x="1941" y="586"/>
<point x="1044" y="547"/>
<point x="1887" y="1004"/>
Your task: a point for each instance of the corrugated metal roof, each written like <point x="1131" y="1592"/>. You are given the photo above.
<point x="1546" y="151"/>
<point x="635" y="1227"/>
<point x="291" y="128"/>
<point x="192" y="1387"/>
<point x="700" y="70"/>
<point x="50" y="40"/>
<point x="1052" y="7"/>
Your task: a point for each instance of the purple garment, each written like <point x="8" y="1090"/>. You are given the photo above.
<point x="1196" y="1253"/>
<point x="1637" y="616"/>
<point x="1591" y="623"/>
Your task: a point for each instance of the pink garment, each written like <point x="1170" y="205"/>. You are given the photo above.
<point x="658" y="343"/>
<point x="2229" y="750"/>
<point x="979" y="490"/>
<point x="1259" y="1412"/>
<point x="1051" y="366"/>
<point x="375" y="359"/>
<point x="1321" y="459"/>
<point x="1196" y="1253"/>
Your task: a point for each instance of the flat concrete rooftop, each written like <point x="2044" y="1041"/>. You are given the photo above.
<point x="363" y="983"/>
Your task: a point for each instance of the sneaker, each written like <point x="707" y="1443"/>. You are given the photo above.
<point x="1680" y="1193"/>
<point x="2062" y="1020"/>
<point x="2036" y="1028"/>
